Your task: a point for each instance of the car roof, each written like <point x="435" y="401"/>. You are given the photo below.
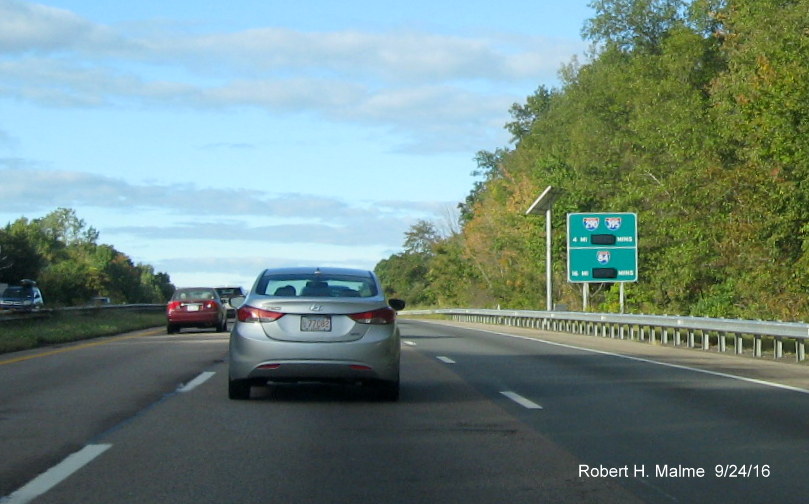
<point x="326" y="270"/>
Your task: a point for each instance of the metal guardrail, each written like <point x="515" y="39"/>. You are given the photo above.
<point x="694" y="332"/>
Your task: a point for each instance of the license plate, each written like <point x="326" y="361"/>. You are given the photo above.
<point x="192" y="307"/>
<point x="315" y="323"/>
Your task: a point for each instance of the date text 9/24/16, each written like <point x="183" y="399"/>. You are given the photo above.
<point x="675" y="471"/>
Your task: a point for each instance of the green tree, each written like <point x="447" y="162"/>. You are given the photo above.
<point x="421" y="238"/>
<point x="763" y="105"/>
<point x="633" y="25"/>
<point x="60" y="251"/>
<point x="404" y="275"/>
<point x="19" y="257"/>
<point x="64" y="226"/>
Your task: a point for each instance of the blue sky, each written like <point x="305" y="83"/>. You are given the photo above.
<point x="212" y="140"/>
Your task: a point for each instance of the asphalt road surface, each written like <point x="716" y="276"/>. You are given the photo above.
<point x="484" y="417"/>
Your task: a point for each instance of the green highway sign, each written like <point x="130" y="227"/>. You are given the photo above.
<point x="602" y="247"/>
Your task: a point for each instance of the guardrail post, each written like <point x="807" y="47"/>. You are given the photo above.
<point x="779" y="348"/>
<point x="706" y="340"/>
<point x="738" y="344"/>
<point x="722" y="343"/>
<point x="757" y="345"/>
<point x="800" y="350"/>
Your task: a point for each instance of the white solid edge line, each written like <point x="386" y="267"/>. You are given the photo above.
<point x="666" y="364"/>
<point x="522" y="401"/>
<point x="445" y="360"/>
<point x="649" y="361"/>
<point x="196" y="382"/>
<point x="56" y="474"/>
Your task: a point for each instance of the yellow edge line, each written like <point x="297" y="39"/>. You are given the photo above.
<point x="150" y="332"/>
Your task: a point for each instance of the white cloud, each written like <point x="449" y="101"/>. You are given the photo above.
<point x="224" y="98"/>
<point x="368" y="232"/>
<point x="6" y="140"/>
<point x="242" y="271"/>
<point x="401" y="80"/>
<point x="28" y="27"/>
<point x="199" y="213"/>
<point x="25" y="188"/>
<point x="402" y="56"/>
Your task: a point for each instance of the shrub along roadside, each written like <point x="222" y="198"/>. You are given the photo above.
<point x="65" y="327"/>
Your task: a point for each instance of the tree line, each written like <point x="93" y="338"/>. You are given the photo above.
<point x="62" y="254"/>
<point x="694" y="115"/>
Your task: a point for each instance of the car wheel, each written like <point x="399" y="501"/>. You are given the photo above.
<point x="239" y="389"/>
<point x="223" y="327"/>
<point x="171" y="328"/>
<point x="388" y="390"/>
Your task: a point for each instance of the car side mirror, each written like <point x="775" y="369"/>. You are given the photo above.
<point x="396" y="304"/>
<point x="237" y="301"/>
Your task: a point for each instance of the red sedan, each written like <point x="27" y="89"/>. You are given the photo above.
<point x="196" y="307"/>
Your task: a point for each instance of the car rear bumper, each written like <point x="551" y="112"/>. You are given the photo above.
<point x="194" y="318"/>
<point x="374" y="357"/>
<point x="19" y="306"/>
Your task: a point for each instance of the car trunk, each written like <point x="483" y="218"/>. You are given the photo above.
<point x="316" y="321"/>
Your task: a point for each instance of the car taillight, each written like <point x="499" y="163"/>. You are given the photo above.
<point x="211" y="305"/>
<point x="173" y="305"/>
<point x="380" y="316"/>
<point x="251" y="314"/>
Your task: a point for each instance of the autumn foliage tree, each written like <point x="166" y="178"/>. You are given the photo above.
<point x="694" y="115"/>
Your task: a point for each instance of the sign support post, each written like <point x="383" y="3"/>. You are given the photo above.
<point x="544" y="203"/>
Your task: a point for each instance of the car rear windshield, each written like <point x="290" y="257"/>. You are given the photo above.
<point x="183" y="294"/>
<point x="229" y="292"/>
<point x="317" y="285"/>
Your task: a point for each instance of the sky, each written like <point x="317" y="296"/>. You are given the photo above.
<point x="213" y="140"/>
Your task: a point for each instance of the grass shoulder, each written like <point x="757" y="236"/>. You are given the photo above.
<point x="66" y="327"/>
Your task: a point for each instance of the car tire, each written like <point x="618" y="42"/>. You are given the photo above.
<point x="388" y="390"/>
<point x="171" y="328"/>
<point x="223" y="327"/>
<point x="239" y="389"/>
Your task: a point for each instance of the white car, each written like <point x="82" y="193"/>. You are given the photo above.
<point x="229" y="292"/>
<point x="315" y="324"/>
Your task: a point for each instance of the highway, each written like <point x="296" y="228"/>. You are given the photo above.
<point x="484" y="417"/>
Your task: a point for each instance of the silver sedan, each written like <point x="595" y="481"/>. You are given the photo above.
<point x="315" y="324"/>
